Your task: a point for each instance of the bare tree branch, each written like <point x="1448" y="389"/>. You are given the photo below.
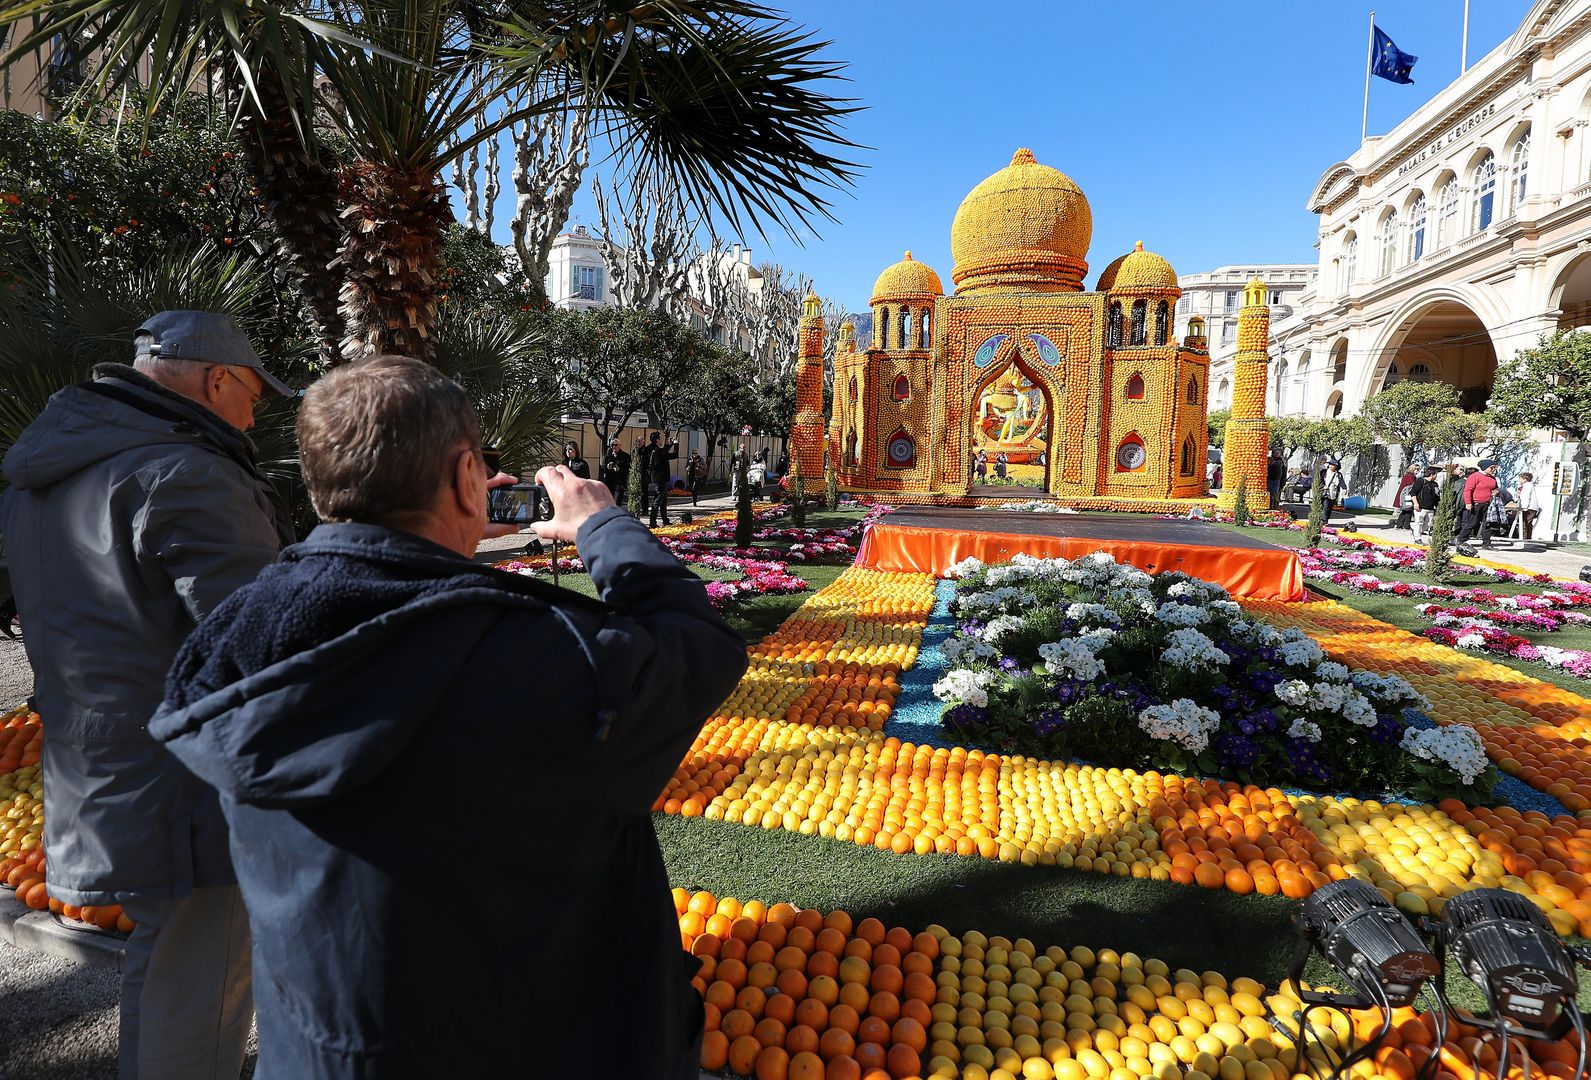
<point x="551" y="153"/>
<point x="650" y="271"/>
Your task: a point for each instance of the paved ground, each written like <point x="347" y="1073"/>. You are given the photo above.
<point x="1559" y="560"/>
<point x="58" y="1019"/>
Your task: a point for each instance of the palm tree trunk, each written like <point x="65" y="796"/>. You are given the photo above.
<point x="391" y="260"/>
<point x="300" y="191"/>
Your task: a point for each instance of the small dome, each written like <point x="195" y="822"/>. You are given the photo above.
<point x="1025" y="227"/>
<point x="907" y="278"/>
<point x="1107" y="276"/>
<point x="1142" y="269"/>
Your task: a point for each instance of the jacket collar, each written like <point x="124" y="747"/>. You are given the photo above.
<point x="142" y="386"/>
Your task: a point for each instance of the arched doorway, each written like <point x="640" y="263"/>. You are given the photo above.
<point x="1440" y="341"/>
<point x="1012" y="424"/>
<point x="1572" y="296"/>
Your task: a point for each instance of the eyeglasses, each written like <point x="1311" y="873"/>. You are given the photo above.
<point x="492" y="458"/>
<point x="254" y="398"/>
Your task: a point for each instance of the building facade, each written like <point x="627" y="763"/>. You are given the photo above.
<point x="577" y="277"/>
<point x="1021" y="377"/>
<point x="1461" y="236"/>
<point x="1217" y="298"/>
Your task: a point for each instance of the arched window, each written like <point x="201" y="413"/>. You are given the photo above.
<point x="924" y="338"/>
<point x="903" y="388"/>
<point x="905" y="328"/>
<point x="1334" y="403"/>
<point x="883" y="328"/>
<point x="1485" y="186"/>
<point x="1135" y="387"/>
<point x="1419" y="373"/>
<point x="1447" y="213"/>
<point x="850" y="448"/>
<point x="1162" y="323"/>
<point x="1350" y="261"/>
<point x="1519" y="167"/>
<point x="1225" y="390"/>
<point x="900" y="452"/>
<point x="1193" y="390"/>
<point x="1113" y="330"/>
<point x="1303" y="385"/>
<point x="1389" y="242"/>
<point x="1140" y="319"/>
<point x="1393" y="377"/>
<point x="1281" y="380"/>
<point x="852" y="397"/>
<point x="1417" y="229"/>
<point x="1189" y="450"/>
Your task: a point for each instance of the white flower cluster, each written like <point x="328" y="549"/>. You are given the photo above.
<point x="965" y="568"/>
<point x="1303" y="729"/>
<point x="1197" y="589"/>
<point x="1075" y="657"/>
<point x="1358" y="709"/>
<point x="1470" y="641"/>
<point x="1038" y="506"/>
<point x="1188" y="648"/>
<point x="1458" y="746"/>
<point x="1182" y="722"/>
<point x="1389" y="688"/>
<point x="1299" y="653"/>
<point x="1331" y="671"/>
<point x="1260" y="633"/>
<point x="1092" y="613"/>
<point x="1330" y="697"/>
<point x="1005" y="599"/>
<point x="964" y="686"/>
<point x="1294" y="692"/>
<point x="967" y="650"/>
<point x="998" y="627"/>
<point x="1226" y="609"/>
<point x="1175" y="614"/>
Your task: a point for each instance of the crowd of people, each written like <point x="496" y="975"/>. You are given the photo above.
<point x="259" y="747"/>
<point x="1488" y="507"/>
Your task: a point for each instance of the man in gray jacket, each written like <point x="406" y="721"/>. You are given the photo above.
<point x="135" y="507"/>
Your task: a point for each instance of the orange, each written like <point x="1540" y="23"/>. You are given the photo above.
<point x="782" y="914"/>
<point x="758" y="952"/>
<point x="921" y="987"/>
<point x="720" y="994"/>
<point x="752" y="1000"/>
<point x="843" y="1018"/>
<point x="870" y="1055"/>
<point x="761" y="975"/>
<point x="887" y="979"/>
<point x="743" y="1054"/>
<point x="918" y="1011"/>
<point x="732" y="972"/>
<point x="773" y="1064"/>
<point x="823" y="988"/>
<point x="873" y="1029"/>
<point x="839" y="920"/>
<point x="902" y="1061"/>
<point x="780" y="1007"/>
<point x="900" y="937"/>
<point x="835" y="1042"/>
<point x="801" y="1039"/>
<point x="911" y="1033"/>
<point x="770" y="1032"/>
<point x="828" y="940"/>
<point x="703" y="904"/>
<point x="926" y="944"/>
<point x="792" y="983"/>
<point x="812" y="1013"/>
<point x="853" y="969"/>
<point x="885" y="954"/>
<point x="715" y="1050"/>
<point x="871" y="931"/>
<point x="884" y="1005"/>
<point x="773" y="934"/>
<point x="806" y="1066"/>
<point x="1209" y="875"/>
<point x="822" y="963"/>
<point x="844" y="1067"/>
<point x="1238" y="881"/>
<point x="855" y="995"/>
<point x="737" y="1022"/>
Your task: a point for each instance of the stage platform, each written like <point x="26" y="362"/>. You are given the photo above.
<point x="929" y="539"/>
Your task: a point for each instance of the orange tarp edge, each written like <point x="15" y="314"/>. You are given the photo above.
<point x="1252" y="573"/>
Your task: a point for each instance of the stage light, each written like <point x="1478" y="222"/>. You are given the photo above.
<point x="1369" y="942"/>
<point x="1506" y="946"/>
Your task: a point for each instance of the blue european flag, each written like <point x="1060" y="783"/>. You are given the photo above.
<point x="1389" y="61"/>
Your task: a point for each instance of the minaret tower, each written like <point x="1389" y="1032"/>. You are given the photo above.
<point x="1248" y="435"/>
<point x="806" y="434"/>
<point x="844" y="359"/>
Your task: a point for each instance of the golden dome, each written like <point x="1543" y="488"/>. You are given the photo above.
<point x="1142" y="269"/>
<point x="908" y="278"/>
<point x="1107" y="276"/>
<point x="1026" y="227"/>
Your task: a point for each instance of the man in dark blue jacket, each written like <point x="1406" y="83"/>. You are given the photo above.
<point x="438" y="776"/>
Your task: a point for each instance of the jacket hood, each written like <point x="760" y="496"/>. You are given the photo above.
<point x="121" y="410"/>
<point x="301" y="686"/>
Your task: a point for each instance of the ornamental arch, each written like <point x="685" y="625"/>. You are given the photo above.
<point x="1571" y="294"/>
<point x="1444" y="335"/>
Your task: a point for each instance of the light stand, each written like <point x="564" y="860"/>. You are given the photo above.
<point x="1506" y="946"/>
<point x="1375" y="949"/>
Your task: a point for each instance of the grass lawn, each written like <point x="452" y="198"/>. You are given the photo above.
<point x="1400" y="611"/>
<point x="1186" y="926"/>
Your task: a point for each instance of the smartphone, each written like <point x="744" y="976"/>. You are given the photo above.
<point x="516" y="504"/>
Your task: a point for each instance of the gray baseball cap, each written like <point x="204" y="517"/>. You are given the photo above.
<point x="205" y="337"/>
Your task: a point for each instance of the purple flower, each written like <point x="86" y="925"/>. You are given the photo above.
<point x="1236" y="751"/>
<point x="1048" y="722"/>
<point x="967" y="716"/>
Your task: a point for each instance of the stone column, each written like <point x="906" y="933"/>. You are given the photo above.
<point x="1248" y="435"/>
<point x="806" y="433"/>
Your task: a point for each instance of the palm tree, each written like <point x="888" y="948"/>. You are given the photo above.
<point x="352" y="108"/>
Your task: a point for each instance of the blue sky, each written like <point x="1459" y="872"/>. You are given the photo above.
<point x="1197" y="126"/>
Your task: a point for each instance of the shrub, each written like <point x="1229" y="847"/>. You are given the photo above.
<point x="1444" y="523"/>
<point x="1240" y="511"/>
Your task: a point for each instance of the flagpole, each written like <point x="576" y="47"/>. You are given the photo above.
<point x="1370" y="48"/>
<point x="1463" y="52"/>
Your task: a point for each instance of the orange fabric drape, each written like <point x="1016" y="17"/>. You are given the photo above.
<point x="1251" y="573"/>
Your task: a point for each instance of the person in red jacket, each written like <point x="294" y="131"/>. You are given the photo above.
<point x="1478" y="492"/>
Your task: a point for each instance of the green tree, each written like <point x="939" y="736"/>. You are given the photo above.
<point x="1287" y="432"/>
<point x="350" y="111"/>
<point x="1444" y="523"/>
<point x="796" y="495"/>
<point x="1417" y="416"/>
<point x="713" y="395"/>
<point x="622" y="361"/>
<point x="1240" y="511"/>
<point x="1216" y="422"/>
<point x="1550" y="387"/>
<point x="635" y="486"/>
<point x="831" y="488"/>
<point x="743" y="514"/>
<point x="1317" y="511"/>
